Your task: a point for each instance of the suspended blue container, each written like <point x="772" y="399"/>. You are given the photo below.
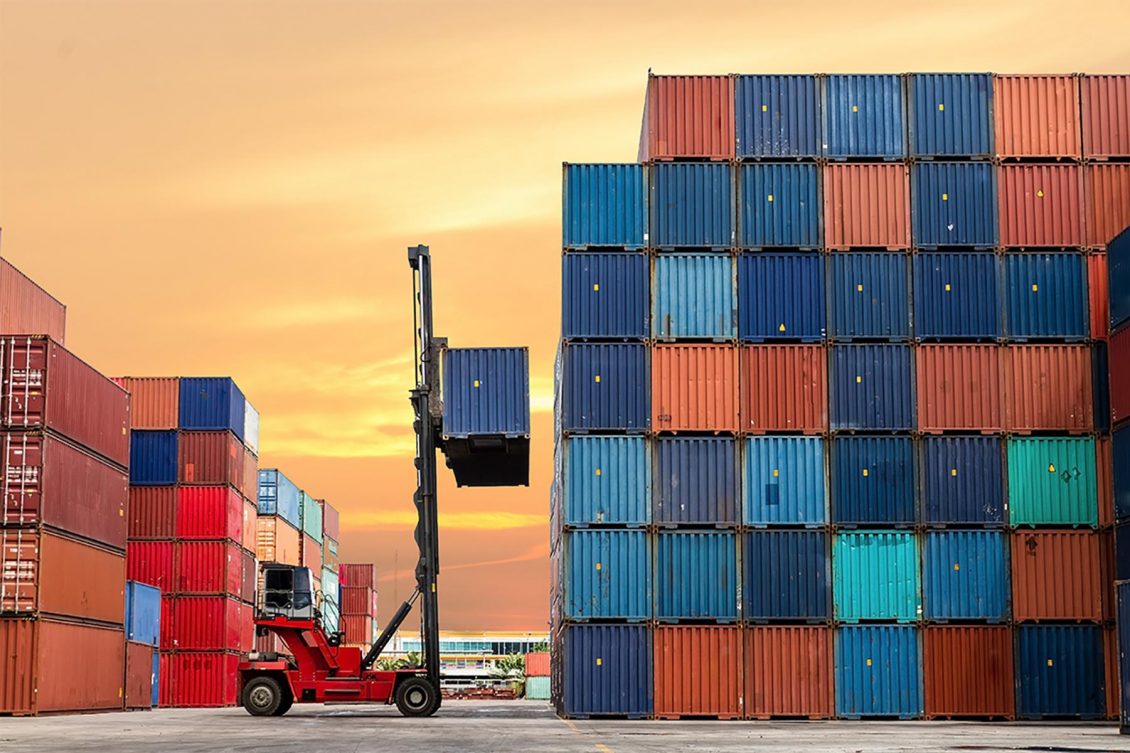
<point x="607" y="481"/>
<point x="962" y="481"/>
<point x="875" y="576"/>
<point x="878" y="672"/>
<point x="784" y="481"/>
<point x="692" y="205"/>
<point x="864" y="116"/>
<point x="1046" y="296"/>
<point x="486" y="391"/>
<point x="152" y="458"/>
<point x="143" y="613"/>
<point x="1118" y="278"/>
<point x="696" y="575"/>
<point x="872" y="481"/>
<point x="777" y="116"/>
<point x="779" y="205"/>
<point x="869" y="296"/>
<point x="607" y="671"/>
<point x="1060" y="671"/>
<point x="951" y="114"/>
<point x="607" y="575"/>
<point x="956" y="296"/>
<point x="694" y="297"/>
<point x="696" y="481"/>
<point x="605" y="296"/>
<point x="1100" y="384"/>
<point x="604" y="205"/>
<point x="954" y="204"/>
<point x="212" y="404"/>
<point x="785" y="576"/>
<point x="280" y="496"/>
<point x="871" y="387"/>
<point x="769" y="307"/>
<point x="1120" y="452"/>
<point x="965" y="576"/>
<point x="605" y="387"/>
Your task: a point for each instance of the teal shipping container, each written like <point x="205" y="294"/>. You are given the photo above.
<point x="965" y="575"/>
<point x="311" y="513"/>
<point x="537" y="688"/>
<point x="607" y="481"/>
<point x="694" y="296"/>
<point x="875" y="576"/>
<point x="785" y="482"/>
<point x="1052" y="481"/>
<point x="696" y="575"/>
<point x="878" y="672"/>
<point x="607" y="575"/>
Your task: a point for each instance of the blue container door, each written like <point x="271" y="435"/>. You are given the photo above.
<point x="781" y="296"/>
<point x="871" y="387"/>
<point x="868" y="295"/>
<point x="694" y="297"/>
<point x="956" y="296"/>
<point x="784" y="481"/>
<point x="152" y="458"/>
<point x="212" y="404"/>
<point x="872" y="480"/>
<point x="962" y="480"/>
<point x="1061" y="671"/>
<point x="878" y="672"/>
<point x="605" y="387"/>
<point x="875" y="576"/>
<point x="1118" y="278"/>
<point x="486" y="391"/>
<point x="608" y="670"/>
<point x="779" y="205"/>
<point x="692" y="205"/>
<point x="864" y="116"/>
<point x="604" y="205"/>
<point x="954" y="204"/>
<point x="696" y="575"/>
<point x="607" y="575"/>
<point x="777" y="116"/>
<point x="607" y="481"/>
<point x="1046" y="296"/>
<point x="143" y="613"/>
<point x="785" y="575"/>
<point x="605" y="295"/>
<point x="1120" y="452"/>
<point x="696" y="481"/>
<point x="950" y="114"/>
<point x="965" y="576"/>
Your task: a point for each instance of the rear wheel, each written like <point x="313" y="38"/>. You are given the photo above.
<point x="417" y="696"/>
<point x="264" y="696"/>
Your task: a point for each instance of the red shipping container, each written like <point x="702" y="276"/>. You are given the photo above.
<point x="44" y="386"/>
<point x="784" y="388"/>
<point x="165" y="680"/>
<point x="154" y="402"/>
<point x="139" y="676"/>
<point x="358" y="629"/>
<point x="151" y="562"/>
<point x="249" y="486"/>
<point x="1118" y="357"/>
<point x="1113" y="680"/>
<point x="688" y="116"/>
<point x="1036" y="116"/>
<point x="358" y="575"/>
<point x="694" y="388"/>
<point x="1040" y="206"/>
<point x="356" y="600"/>
<point x="45" y="573"/>
<point x="959" y="388"/>
<point x="1106" y="116"/>
<point x="698" y="671"/>
<point x="537" y="664"/>
<point x="201" y="679"/>
<point x="152" y="512"/>
<point x="1048" y="387"/>
<point x="1104" y="467"/>
<point x="250" y="570"/>
<point x="331" y="521"/>
<point x="1097" y="287"/>
<point x="1055" y="576"/>
<point x="211" y="623"/>
<point x="788" y="672"/>
<point x="312" y="554"/>
<point x="211" y="458"/>
<point x="209" y="512"/>
<point x="249" y="528"/>
<point x="270" y="644"/>
<point x="52" y="483"/>
<point x="968" y="671"/>
<point x="167" y="630"/>
<point x="1108" y="201"/>
<point x="26" y="308"/>
<point x="867" y="206"/>
<point x="208" y="568"/>
<point x="1107" y="571"/>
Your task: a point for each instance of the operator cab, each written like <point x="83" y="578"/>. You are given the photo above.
<point x="288" y="591"/>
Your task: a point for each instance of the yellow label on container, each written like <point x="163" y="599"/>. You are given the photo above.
<point x="781" y="328"/>
<point x="599" y="661"/>
<point x="596" y="287"/>
<point x="597" y="565"/>
<point x="476" y="382"/>
<point x="598" y="378"/>
<point x="1035" y="287"/>
<point x="865" y="471"/>
<point x="945" y="197"/>
<point x="1040" y="193"/>
<point x="598" y="471"/>
<point x="948" y="287"/>
<point x="941" y="107"/>
<point x="765" y="108"/>
<point x="953" y="471"/>
<point x="1051" y="468"/>
<point x="770" y="198"/>
<point x="869" y="662"/>
<point x="859" y="288"/>
<point x="859" y="380"/>
<point x="855" y="108"/>
<point x="776" y="473"/>
<point x="1050" y="663"/>
<point x="956" y="567"/>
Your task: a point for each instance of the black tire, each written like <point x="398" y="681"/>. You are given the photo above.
<point x="288" y="701"/>
<point x="417" y="696"/>
<point x="264" y="696"/>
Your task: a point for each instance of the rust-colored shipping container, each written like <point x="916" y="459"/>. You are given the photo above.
<point x="694" y="388"/>
<point x="1113" y="676"/>
<point x="311" y="553"/>
<point x="1036" y="116"/>
<point x="139" y="676"/>
<point x="698" y="671"/>
<point x="154" y="401"/>
<point x="959" y="388"/>
<point x="212" y="458"/>
<point x="1104" y="476"/>
<point x="1055" y="576"/>
<point x="26" y="308"/>
<point x="167" y="627"/>
<point x="46" y="573"/>
<point x="249" y="527"/>
<point x="1040" y="206"/>
<point x="537" y="664"/>
<point x="277" y="541"/>
<point x="1106" y="116"/>
<point x="784" y="388"/>
<point x="358" y="574"/>
<point x="152" y="512"/>
<point x="1107" y="195"/>
<point x="788" y="672"/>
<point x="968" y="671"/>
<point x="151" y="562"/>
<point x="1107" y="573"/>
<point x="212" y="623"/>
<point x="200" y="679"/>
<point x="356" y="599"/>
<point x="250" y="570"/>
<point x="208" y="568"/>
<point x="867" y="206"/>
<point x="1119" y="369"/>
<point x="1048" y="387"/>
<point x="357" y="628"/>
<point x="688" y="116"/>
<point x="51" y="666"/>
<point x="249" y="486"/>
<point x="1097" y="291"/>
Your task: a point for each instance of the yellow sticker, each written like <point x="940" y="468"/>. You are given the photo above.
<point x="597" y="565"/>
<point x="1051" y="468"/>
<point x="1035" y="287"/>
<point x="599" y="661"/>
<point x="859" y="380"/>
<point x="765" y="108"/>
<point x="953" y="471"/>
<point x="596" y="287"/>
<point x="945" y="197"/>
<point x="598" y="378"/>
<point x="1050" y="663"/>
<point x="865" y="471"/>
<point x="956" y="567"/>
<point x="941" y="107"/>
<point x="948" y="288"/>
<point x="776" y="472"/>
<point x="476" y="382"/>
<point x="855" y="108"/>
<point x="770" y="198"/>
<point x="869" y="662"/>
<point x="1040" y="193"/>
<point x="781" y="328"/>
<point x="598" y="471"/>
<point x="859" y="288"/>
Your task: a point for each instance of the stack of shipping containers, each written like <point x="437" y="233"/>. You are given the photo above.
<point x="310" y="547"/>
<point x="358" y="587"/>
<point x="278" y="533"/>
<point x="331" y="588"/>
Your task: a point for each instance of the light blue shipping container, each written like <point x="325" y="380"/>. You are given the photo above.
<point x="784" y="481"/>
<point x="486" y="391"/>
<point x="310" y="513"/>
<point x="954" y="204"/>
<point x="864" y="116"/>
<point x="951" y="114"/>
<point x="156" y="692"/>
<point x="871" y="387"/>
<point x="965" y="575"/>
<point x="607" y="575"/>
<point x="696" y="480"/>
<point x="768" y="305"/>
<point x="956" y="296"/>
<point x="1046" y="296"/>
<point x="777" y="116"/>
<point x="605" y="296"/>
<point x="692" y="205"/>
<point x="696" y="575"/>
<point x="1060" y="671"/>
<point x="143" y="613"/>
<point x="607" y="670"/>
<point x="278" y="495"/>
<point x="605" y="387"/>
<point x="604" y="205"/>
<point x="694" y="297"/>
<point x="868" y="295"/>
<point x="876" y="576"/>
<point x="607" y="481"/>
<point x="779" y="205"/>
<point x="878" y="672"/>
<point x="872" y="480"/>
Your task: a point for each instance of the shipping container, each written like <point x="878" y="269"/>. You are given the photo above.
<point x="278" y="495"/>
<point x="604" y="205"/>
<point x="1036" y="116"/>
<point x="143" y="613"/>
<point x="607" y="671"/>
<point x="605" y="387"/>
<point x="1112" y="683"/>
<point x="249" y="568"/>
<point x="356" y="599"/>
<point x="1055" y="576"/>
<point x="138" y="688"/>
<point x="202" y="679"/>
<point x="965" y="576"/>
<point x="537" y="664"/>
<point x="46" y="573"/>
<point x="1052" y="481"/>
<point x="154" y="402"/>
<point x="871" y="387"/>
<point x="153" y="458"/>
<point x="358" y="574"/>
<point x="959" y="388"/>
<point x="210" y="458"/>
<point x="691" y="205"/>
<point x="769" y="304"/>
<point x="311" y="515"/>
<point x="956" y="297"/>
<point x="152" y="512"/>
<point x="331" y="521"/>
<point x="212" y="404"/>
<point x="694" y="297"/>
<point x="331" y="601"/>
<point x="1107" y="199"/>
<point x="872" y="480"/>
<point x="1098" y="295"/>
<point x="785" y="576"/>
<point x="955" y="204"/>
<point x="1106" y="116"/>
<point x="209" y="512"/>
<point x="950" y="114"/>
<point x="357" y="629"/>
<point x="875" y="576"/>
<point x="779" y="205"/>
<point x="607" y="575"/>
<point x="1046" y="296"/>
<point x="605" y="296"/>
<point x="1118" y="356"/>
<point x="864" y="116"/>
<point x="1100" y="383"/>
<point x="1104" y="472"/>
<point x="212" y="623"/>
<point x="1048" y="387"/>
<point x="866" y="205"/>
<point x="537" y="688"/>
<point x="1060" y="671"/>
<point x="485" y="391"/>
<point x="788" y="672"/>
<point x="151" y="562"/>
<point x="878" y="672"/>
<point x="698" y="672"/>
<point x="696" y="481"/>
<point x="277" y="541"/>
<point x="311" y="553"/>
<point x="1118" y="282"/>
<point x="962" y="481"/>
<point x="688" y="116"/>
<point x="968" y="672"/>
<point x="27" y="308"/>
<point x="777" y="117"/>
<point x="696" y="575"/>
<point x="207" y="568"/>
<point x="868" y="296"/>
<point x="1123" y="629"/>
<point x="607" y="481"/>
<point x="1040" y="206"/>
<point x="784" y="481"/>
<point x="784" y="388"/>
<point x="694" y="388"/>
<point x="1120" y="474"/>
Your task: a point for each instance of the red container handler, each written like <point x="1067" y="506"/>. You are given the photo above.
<point x="784" y="388"/>
<point x="959" y="388"/>
<point x="688" y="117"/>
<point x="698" y="672"/>
<point x="1036" y="116"/>
<point x="788" y="672"/>
<point x="208" y="568"/>
<point x="151" y="562"/>
<point x="968" y="672"/>
<point x="209" y="513"/>
<point x="200" y="679"/>
<point x="212" y="458"/>
<point x="212" y="623"/>
<point x="1040" y="206"/>
<point x="26" y="307"/>
<point x="152" y="512"/>
<point x="139" y="676"/>
<point x="1055" y="576"/>
<point x="354" y="574"/>
<point x="1048" y="388"/>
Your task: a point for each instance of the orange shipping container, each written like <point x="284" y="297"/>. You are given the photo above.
<point x="694" y="388"/>
<point x="867" y="205"/>
<point x="698" y="671"/>
<point x="1108" y="201"/>
<point x="1106" y="116"/>
<point x="1048" y="387"/>
<point x="154" y="401"/>
<point x="277" y="541"/>
<point x="44" y="573"/>
<point x="968" y="671"/>
<point x="688" y="116"/>
<point x="784" y="388"/>
<point x="1040" y="206"/>
<point x="312" y="554"/>
<point x="1097" y="288"/>
<point x="959" y="387"/>
<point x="1036" y="116"/>
<point x="788" y="672"/>
<point x="537" y="664"/>
<point x="1055" y="576"/>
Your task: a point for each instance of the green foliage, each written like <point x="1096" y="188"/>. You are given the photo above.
<point x="513" y="666"/>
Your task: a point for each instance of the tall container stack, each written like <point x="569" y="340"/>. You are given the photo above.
<point x="358" y="587"/>
<point x="331" y="588"/>
<point x="278" y="532"/>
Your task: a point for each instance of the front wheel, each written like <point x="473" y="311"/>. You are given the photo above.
<point x="417" y="696"/>
<point x="264" y="696"/>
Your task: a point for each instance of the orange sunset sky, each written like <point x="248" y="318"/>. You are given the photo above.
<point x="229" y="188"/>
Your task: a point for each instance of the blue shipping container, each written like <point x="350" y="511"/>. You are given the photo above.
<point x="607" y="481"/>
<point x="604" y="205"/>
<point x="156" y="691"/>
<point x="1120" y="452"/>
<point x="1118" y="278"/>
<point x="878" y="672"/>
<point x="965" y="575"/>
<point x="784" y="481"/>
<point x="486" y="391"/>
<point x="769" y="307"/>
<point x="607" y="575"/>
<point x="962" y="480"/>
<point x="608" y="670"/>
<point x="956" y="296"/>
<point x="143" y="613"/>
<point x="954" y="204"/>
<point x="696" y="575"/>
<point x="777" y="116"/>
<point x="694" y="297"/>
<point x="872" y="480"/>
<point x="213" y="404"/>
<point x="876" y="576"/>
<point x="152" y="458"/>
<point x="605" y="296"/>
<point x="863" y="116"/>
<point x="606" y="387"/>
<point x="872" y="387"/>
<point x="1060" y="671"/>
<point x="1122" y="551"/>
<point x="785" y="575"/>
<point x="950" y="114"/>
<point x="779" y="205"/>
<point x="869" y="295"/>
<point x="278" y="495"/>
<point x="696" y="480"/>
<point x="1046" y="296"/>
<point x="692" y="205"/>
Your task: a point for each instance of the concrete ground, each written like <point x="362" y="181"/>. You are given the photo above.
<point x="520" y="726"/>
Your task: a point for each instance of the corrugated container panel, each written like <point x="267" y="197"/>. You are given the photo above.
<point x="694" y="388"/>
<point x="784" y="388"/>
<point x="959" y="388"/>
<point x="698" y="671"/>
<point x="277" y="541"/>
<point x="950" y="114"/>
<point x="1112" y="684"/>
<point x="311" y="553"/>
<point x="358" y="574"/>
<point x="1052" y="481"/>
<point x="209" y="512"/>
<point x="868" y="295"/>
<point x="768" y="305"/>
<point x="779" y="205"/>
<point x="876" y="576"/>
<point x="696" y="575"/>
<point x="1098" y="295"/>
<point x="968" y="672"/>
<point x="864" y="116"/>
<point x="1060" y="671"/>
<point x="1104" y="471"/>
<point x="311" y="515"/>
<point x="143" y="613"/>
<point x="537" y="688"/>
<point x="210" y="458"/>
<point x="537" y="664"/>
<point x="278" y="495"/>
<point x="1055" y="576"/>
<point x="607" y="575"/>
<point x="955" y="204"/>
<point x="688" y="116"/>
<point x="1046" y="295"/>
<point x="962" y="481"/>
<point x="788" y="672"/>
<point x="151" y="562"/>
<point x="777" y="116"/>
<point x="1123" y="652"/>
<point x="1108" y="572"/>
<point x="1118" y="279"/>
<point x="485" y="391"/>
<point x="138" y="690"/>
<point x="1100" y="384"/>
<point x="27" y="308"/>
<point x="872" y="480"/>
<point x="965" y="575"/>
<point x="251" y="427"/>
<point x="604" y="205"/>
<point x="249" y="570"/>
<point x="866" y="205"/>
<point x="212" y="404"/>
<point x="1120" y="452"/>
<point x="331" y="521"/>
<point x="878" y="672"/>
<point x="605" y="295"/>
<point x="1036" y="116"/>
<point x="872" y="387"/>
<point x="154" y="402"/>
<point x="607" y="481"/>
<point x="691" y="205"/>
<point x="1108" y="201"/>
<point x="1106" y="116"/>
<point x="212" y="623"/>
<point x="605" y="387"/>
<point x="607" y="670"/>
<point x="153" y="458"/>
<point x="1048" y="387"/>
<point x="358" y="629"/>
<point x="696" y="480"/>
<point x="955" y="296"/>
<point x="44" y="573"/>
<point x="1040" y="205"/>
<point x="207" y="568"/>
<point x="694" y="297"/>
<point x="356" y="599"/>
<point x="785" y="575"/>
<point x="784" y="481"/>
<point x="203" y="679"/>
<point x="1118" y="356"/>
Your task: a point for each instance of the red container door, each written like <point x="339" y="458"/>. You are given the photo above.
<point x="152" y="512"/>
<point x="209" y="512"/>
<point x="867" y="206"/>
<point x="43" y="573"/>
<point x="1108" y="202"/>
<point x="968" y="672"/>
<point x="151" y="562"/>
<point x="1055" y="576"/>
<point x="1048" y="387"/>
<point x="694" y="388"/>
<point x="784" y="388"/>
<point x="208" y="568"/>
<point x="688" y="116"/>
<point x="959" y="388"/>
<point x="208" y="623"/>
<point x="1036" y="116"/>
<point x="210" y="458"/>
<point x="1040" y="206"/>
<point x="788" y="672"/>
<point x="139" y="676"/>
<point x="698" y="672"/>
<point x="203" y="679"/>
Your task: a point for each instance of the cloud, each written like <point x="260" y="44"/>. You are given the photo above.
<point x="485" y="520"/>
<point x="534" y="553"/>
